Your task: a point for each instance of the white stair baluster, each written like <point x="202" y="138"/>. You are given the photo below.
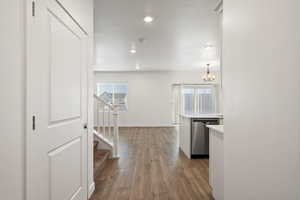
<point x="116" y="133"/>
<point x="103" y="121"/>
<point x="107" y="128"/>
<point x="108" y="122"/>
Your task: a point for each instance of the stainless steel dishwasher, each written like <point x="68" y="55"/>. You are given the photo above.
<point x="200" y="137"/>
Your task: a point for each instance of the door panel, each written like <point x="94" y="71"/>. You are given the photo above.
<point x="65" y="177"/>
<point x="57" y="97"/>
<point x="65" y="82"/>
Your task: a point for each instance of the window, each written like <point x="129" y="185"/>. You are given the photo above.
<point x="199" y="100"/>
<point x="189" y="100"/>
<point x="114" y="93"/>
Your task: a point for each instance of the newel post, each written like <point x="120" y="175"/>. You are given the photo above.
<point x="116" y="133"/>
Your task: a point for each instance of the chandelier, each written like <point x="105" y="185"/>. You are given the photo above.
<point x="208" y="76"/>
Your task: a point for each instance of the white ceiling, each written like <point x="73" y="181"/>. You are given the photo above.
<point x="175" y="40"/>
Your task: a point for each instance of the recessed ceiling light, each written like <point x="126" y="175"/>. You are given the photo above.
<point x="133" y="51"/>
<point x="137" y="67"/>
<point x="148" y="19"/>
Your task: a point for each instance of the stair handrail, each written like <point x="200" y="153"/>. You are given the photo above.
<point x="104" y="102"/>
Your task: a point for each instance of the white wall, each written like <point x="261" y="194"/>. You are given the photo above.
<point x="12" y="72"/>
<point x="12" y="96"/>
<point x="149" y="95"/>
<point x="262" y="99"/>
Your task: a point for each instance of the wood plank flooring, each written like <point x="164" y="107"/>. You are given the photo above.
<point x="151" y="167"/>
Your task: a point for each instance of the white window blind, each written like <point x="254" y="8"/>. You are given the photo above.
<point x="114" y="93"/>
<point x="199" y="100"/>
<point x="189" y="100"/>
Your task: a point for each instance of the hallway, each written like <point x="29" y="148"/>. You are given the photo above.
<point x="151" y="167"/>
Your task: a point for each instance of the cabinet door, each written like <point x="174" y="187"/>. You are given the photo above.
<point x="211" y="158"/>
<point x="217" y="162"/>
<point x="57" y="105"/>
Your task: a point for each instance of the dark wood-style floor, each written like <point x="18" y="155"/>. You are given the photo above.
<point x="152" y="167"/>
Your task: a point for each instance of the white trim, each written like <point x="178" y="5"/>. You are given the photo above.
<point x="28" y="110"/>
<point x="91" y="189"/>
<point x="27" y="57"/>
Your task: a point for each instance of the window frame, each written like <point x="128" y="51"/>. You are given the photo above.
<point x="196" y="106"/>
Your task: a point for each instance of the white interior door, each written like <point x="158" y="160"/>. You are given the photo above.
<point x="56" y="104"/>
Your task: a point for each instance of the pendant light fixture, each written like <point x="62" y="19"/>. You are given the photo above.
<point x="208" y="76"/>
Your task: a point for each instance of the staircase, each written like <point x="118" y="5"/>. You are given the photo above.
<point x="106" y="130"/>
<point x="101" y="157"/>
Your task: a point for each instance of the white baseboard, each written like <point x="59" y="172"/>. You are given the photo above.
<point x="91" y="189"/>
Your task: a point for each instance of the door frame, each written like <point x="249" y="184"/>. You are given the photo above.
<point x="28" y="118"/>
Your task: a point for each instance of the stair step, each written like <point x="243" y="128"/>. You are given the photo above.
<point x="100" y="158"/>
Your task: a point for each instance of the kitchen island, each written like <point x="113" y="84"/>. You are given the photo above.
<point x="188" y="126"/>
<point x="216" y="161"/>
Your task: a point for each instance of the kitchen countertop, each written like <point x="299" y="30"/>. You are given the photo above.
<point x="218" y="128"/>
<point x="217" y="115"/>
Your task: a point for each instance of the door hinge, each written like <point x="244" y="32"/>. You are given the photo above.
<point x="33" y="123"/>
<point x="33" y="8"/>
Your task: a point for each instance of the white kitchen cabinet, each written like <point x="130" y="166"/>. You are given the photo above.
<point x="185" y="130"/>
<point x="216" y="161"/>
<point x="185" y="135"/>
